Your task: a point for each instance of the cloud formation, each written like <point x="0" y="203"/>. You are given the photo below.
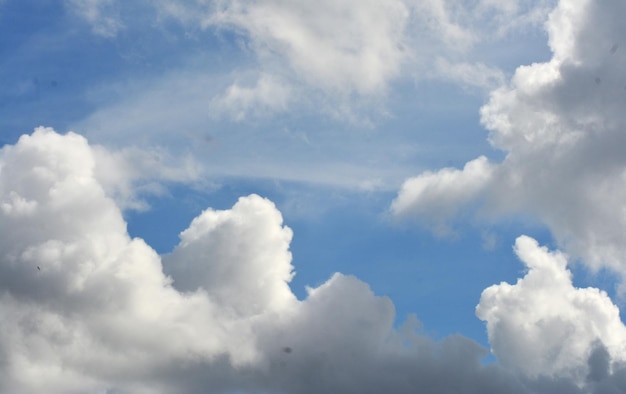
<point x="333" y="56"/>
<point x="439" y="195"/>
<point x="543" y="325"/>
<point x="85" y="308"/>
<point x="561" y="125"/>
<point x="342" y="45"/>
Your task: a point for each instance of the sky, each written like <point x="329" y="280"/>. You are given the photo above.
<point x="346" y="196"/>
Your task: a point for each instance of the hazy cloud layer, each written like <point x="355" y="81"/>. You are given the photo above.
<point x="561" y="125"/>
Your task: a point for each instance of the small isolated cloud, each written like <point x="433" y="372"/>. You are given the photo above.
<point x="437" y="196"/>
<point x="563" y="137"/>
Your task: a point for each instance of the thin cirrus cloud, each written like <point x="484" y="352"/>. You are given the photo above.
<point x="561" y="125"/>
<point x="86" y="308"/>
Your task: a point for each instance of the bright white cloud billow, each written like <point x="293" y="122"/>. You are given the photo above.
<point x="240" y="257"/>
<point x="561" y="124"/>
<point x="543" y="325"/>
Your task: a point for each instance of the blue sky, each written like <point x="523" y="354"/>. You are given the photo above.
<point x="407" y="145"/>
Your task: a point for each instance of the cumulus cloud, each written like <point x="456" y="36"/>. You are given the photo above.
<point x="561" y="125"/>
<point x="82" y="302"/>
<point x="543" y="325"/>
<point x="246" y="244"/>
<point x="86" y="309"/>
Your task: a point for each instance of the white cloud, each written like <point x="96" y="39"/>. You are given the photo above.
<point x="344" y="46"/>
<point x="543" y="325"/>
<point x="360" y="47"/>
<point x="436" y="197"/>
<point x="77" y="292"/>
<point x="342" y="55"/>
<point x="269" y="94"/>
<point x="561" y="125"/>
<point x="240" y="257"/>
<point x="85" y="308"/>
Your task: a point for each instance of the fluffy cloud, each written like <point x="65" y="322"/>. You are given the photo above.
<point x="246" y="244"/>
<point x="85" y="308"/>
<point x="79" y="297"/>
<point x="561" y="125"/>
<point x="543" y="325"/>
<point x="359" y="47"/>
